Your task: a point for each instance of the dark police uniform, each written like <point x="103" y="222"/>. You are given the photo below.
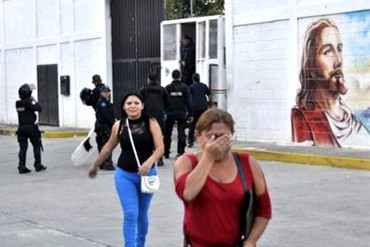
<point x="187" y="54"/>
<point x="103" y="127"/>
<point x="199" y="92"/>
<point x="156" y="101"/>
<point x="92" y="100"/>
<point x="179" y="108"/>
<point x="28" y="129"/>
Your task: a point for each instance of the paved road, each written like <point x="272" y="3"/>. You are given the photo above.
<point x="312" y="205"/>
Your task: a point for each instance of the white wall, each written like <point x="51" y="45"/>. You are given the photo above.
<point x="70" y="33"/>
<point x="20" y="68"/>
<point x="242" y="6"/>
<point x="263" y="60"/>
<point x="2" y="85"/>
<point x="262" y="65"/>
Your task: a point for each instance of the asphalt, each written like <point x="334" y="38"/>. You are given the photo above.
<point x="319" y="206"/>
<point x="355" y="158"/>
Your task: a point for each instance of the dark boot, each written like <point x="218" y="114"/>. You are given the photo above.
<point x="39" y="167"/>
<point x="160" y="162"/>
<point x="23" y="170"/>
<point x="178" y="155"/>
<point x="107" y="167"/>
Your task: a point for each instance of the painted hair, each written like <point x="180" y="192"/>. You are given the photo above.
<point x="304" y="98"/>
<point x="214" y="115"/>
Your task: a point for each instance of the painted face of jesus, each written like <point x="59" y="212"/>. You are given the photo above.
<point x="328" y="60"/>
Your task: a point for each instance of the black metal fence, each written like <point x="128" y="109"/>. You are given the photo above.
<point x="135" y="44"/>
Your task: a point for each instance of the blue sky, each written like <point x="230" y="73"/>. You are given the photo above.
<point x="355" y="31"/>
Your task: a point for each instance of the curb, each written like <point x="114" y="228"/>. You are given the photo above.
<point x="49" y="134"/>
<point x="308" y="159"/>
<point x="7" y="132"/>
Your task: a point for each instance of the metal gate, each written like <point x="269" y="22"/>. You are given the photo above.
<point x="47" y="89"/>
<point x="135" y="44"/>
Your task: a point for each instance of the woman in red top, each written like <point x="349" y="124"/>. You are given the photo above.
<point x="211" y="188"/>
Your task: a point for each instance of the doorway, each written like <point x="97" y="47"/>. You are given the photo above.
<point x="47" y="88"/>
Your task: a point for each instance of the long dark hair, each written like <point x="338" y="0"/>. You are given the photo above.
<point x="133" y="93"/>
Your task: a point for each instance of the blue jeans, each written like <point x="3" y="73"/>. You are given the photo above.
<point x="135" y="207"/>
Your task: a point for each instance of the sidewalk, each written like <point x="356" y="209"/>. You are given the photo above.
<point x="290" y="153"/>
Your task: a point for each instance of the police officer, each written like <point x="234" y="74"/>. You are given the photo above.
<point x="179" y="110"/>
<point x="104" y="122"/>
<point x="155" y="102"/>
<point x="93" y="98"/>
<point x="199" y="93"/>
<point x="187" y="53"/>
<point x="28" y="129"/>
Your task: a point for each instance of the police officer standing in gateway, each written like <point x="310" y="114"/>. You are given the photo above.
<point x="179" y="110"/>
<point x="28" y="129"/>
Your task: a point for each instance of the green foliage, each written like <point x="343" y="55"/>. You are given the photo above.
<point x="177" y="9"/>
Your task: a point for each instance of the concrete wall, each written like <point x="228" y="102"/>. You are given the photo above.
<point x="264" y="47"/>
<point x="74" y="34"/>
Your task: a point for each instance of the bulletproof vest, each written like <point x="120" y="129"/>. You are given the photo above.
<point x="177" y="99"/>
<point x="101" y="116"/>
<point x="25" y="115"/>
<point x="154" y="99"/>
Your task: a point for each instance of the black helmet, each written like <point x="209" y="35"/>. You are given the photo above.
<point x="196" y="77"/>
<point x="25" y="91"/>
<point x="85" y="94"/>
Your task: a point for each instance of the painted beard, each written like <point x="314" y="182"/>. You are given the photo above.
<point x="335" y="83"/>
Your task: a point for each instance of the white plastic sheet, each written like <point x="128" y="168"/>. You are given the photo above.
<point x="85" y="149"/>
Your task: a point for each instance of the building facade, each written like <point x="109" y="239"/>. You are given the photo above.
<point x="58" y="45"/>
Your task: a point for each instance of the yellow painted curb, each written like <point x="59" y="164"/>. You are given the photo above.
<point x="7" y="132"/>
<point x="49" y="134"/>
<point x="308" y="159"/>
<point x="61" y="134"/>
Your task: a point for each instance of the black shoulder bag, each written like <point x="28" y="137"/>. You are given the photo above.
<point x="247" y="209"/>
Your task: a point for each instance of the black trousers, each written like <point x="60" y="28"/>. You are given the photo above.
<point x="196" y="116"/>
<point x="102" y="137"/>
<point x="180" y="119"/>
<point x="187" y="74"/>
<point x="32" y="133"/>
<point x="159" y="116"/>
